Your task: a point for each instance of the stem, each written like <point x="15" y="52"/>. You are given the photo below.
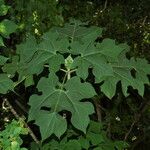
<point x="64" y="70"/>
<point x="131" y="127"/>
<point x="61" y="88"/>
<point x="68" y="74"/>
<point x="18" y="117"/>
<point x="98" y="110"/>
<point x="17" y="83"/>
<point x="144" y="20"/>
<point x="105" y="6"/>
<point x="136" y="119"/>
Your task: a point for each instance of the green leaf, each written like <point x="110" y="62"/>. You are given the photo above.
<point x="29" y="81"/>
<point x="49" y="48"/>
<point x="21" y="68"/>
<point x="5" y="84"/>
<point x="7" y="27"/>
<point x="84" y="143"/>
<point x="73" y="144"/>
<point x="1" y="41"/>
<point x="98" y="148"/>
<point x="122" y="72"/>
<point x="3" y="9"/>
<point x="109" y="49"/>
<point x="76" y="30"/>
<point x="34" y="146"/>
<point x="120" y="145"/>
<point x="64" y="97"/>
<point x="95" y="138"/>
<point x="90" y="57"/>
<point x="47" y="52"/>
<point x="51" y="124"/>
<point x="95" y="127"/>
<point x="142" y="69"/>
<point x="27" y="50"/>
<point x="11" y="68"/>
<point x="3" y="60"/>
<point x="10" y="136"/>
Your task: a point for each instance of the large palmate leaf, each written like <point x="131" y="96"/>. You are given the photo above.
<point x="96" y="58"/>
<point x="48" y="51"/>
<point x="65" y="97"/>
<point x="5" y="84"/>
<point x="142" y="69"/>
<point x="51" y="123"/>
<point x="75" y="30"/>
<point x="110" y="50"/>
<point x="21" y="69"/>
<point x="27" y="49"/>
<point x="27" y="52"/>
<point x="21" y="64"/>
<point x="122" y="72"/>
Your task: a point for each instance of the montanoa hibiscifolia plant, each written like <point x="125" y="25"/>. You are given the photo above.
<point x="77" y="61"/>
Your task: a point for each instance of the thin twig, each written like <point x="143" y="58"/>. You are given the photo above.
<point x="18" y="117"/>
<point x="105" y="6"/>
<point x="129" y="131"/>
<point x="144" y="20"/>
<point x="136" y="119"/>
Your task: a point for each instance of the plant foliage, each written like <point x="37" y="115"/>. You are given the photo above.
<point x="6" y="26"/>
<point x="10" y="137"/>
<point x="73" y="51"/>
<point x="95" y="139"/>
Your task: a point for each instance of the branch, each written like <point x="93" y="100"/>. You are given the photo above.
<point x="136" y="119"/>
<point x="131" y="128"/>
<point x="105" y="6"/>
<point x="18" y="117"/>
<point x="143" y="23"/>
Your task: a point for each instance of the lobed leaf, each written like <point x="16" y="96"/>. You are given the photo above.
<point x="122" y="72"/>
<point x="67" y="97"/>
